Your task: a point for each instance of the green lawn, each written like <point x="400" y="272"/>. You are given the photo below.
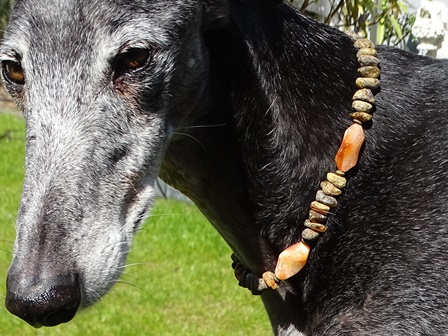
<point x="179" y="280"/>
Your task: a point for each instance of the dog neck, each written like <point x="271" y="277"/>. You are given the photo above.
<point x="295" y="257"/>
<point x="284" y="117"/>
<point x="243" y="175"/>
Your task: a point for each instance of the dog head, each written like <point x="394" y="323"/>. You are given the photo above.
<point x="102" y="85"/>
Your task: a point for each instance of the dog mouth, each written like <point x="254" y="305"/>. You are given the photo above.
<point x="47" y="289"/>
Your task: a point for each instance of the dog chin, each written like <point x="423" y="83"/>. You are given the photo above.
<point x="105" y="269"/>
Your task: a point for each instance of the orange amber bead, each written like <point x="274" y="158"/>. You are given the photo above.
<point x="347" y="156"/>
<point x="292" y="260"/>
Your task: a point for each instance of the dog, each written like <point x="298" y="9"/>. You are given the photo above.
<point x="115" y="93"/>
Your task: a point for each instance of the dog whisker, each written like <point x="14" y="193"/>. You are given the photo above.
<point x="135" y="264"/>
<point x="100" y="298"/>
<point x="202" y="126"/>
<point x="119" y="281"/>
<point x="192" y="137"/>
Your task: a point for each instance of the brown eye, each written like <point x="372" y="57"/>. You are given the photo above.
<point x="13" y="72"/>
<point x="133" y="59"/>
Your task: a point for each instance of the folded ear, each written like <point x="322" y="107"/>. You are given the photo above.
<point x="262" y="3"/>
<point x="215" y="14"/>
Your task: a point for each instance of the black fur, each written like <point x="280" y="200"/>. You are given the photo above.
<point x="282" y="84"/>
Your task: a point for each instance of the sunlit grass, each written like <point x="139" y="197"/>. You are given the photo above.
<point x="179" y="280"/>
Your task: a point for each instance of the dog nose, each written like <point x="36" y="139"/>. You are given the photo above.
<point x="47" y="303"/>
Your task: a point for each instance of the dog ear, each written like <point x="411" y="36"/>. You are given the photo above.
<point x="262" y="3"/>
<point x="215" y="14"/>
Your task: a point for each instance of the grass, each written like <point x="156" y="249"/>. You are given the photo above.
<point x="179" y="280"/>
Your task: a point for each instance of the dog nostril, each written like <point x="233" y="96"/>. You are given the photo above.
<point x="55" y="305"/>
<point x="61" y="314"/>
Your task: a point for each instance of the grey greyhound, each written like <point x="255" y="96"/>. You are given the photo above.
<point x="106" y="86"/>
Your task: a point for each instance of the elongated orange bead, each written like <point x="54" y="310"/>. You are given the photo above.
<point x="347" y="156"/>
<point x="292" y="260"/>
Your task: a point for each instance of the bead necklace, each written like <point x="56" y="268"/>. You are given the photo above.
<point x="294" y="258"/>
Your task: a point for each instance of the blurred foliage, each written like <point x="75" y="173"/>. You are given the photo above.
<point x="5" y="8"/>
<point x="390" y="20"/>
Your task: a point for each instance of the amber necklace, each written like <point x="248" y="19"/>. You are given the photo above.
<point x="294" y="258"/>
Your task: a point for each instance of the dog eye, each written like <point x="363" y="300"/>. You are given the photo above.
<point x="13" y="71"/>
<point x="132" y="59"/>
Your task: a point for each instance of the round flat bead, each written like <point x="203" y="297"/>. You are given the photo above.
<point x="369" y="71"/>
<point x="367" y="83"/>
<point x="366" y="60"/>
<point x="364" y="43"/>
<point x="309" y="235"/>
<point x="336" y="180"/>
<point x="326" y="200"/>
<point x="347" y="156"/>
<point x="364" y="95"/>
<point x="314" y="216"/>
<point x="319" y="207"/>
<point x="291" y="260"/>
<point x="315" y="226"/>
<point x="366" y="51"/>
<point x="361" y="106"/>
<point x="329" y="189"/>
<point x="361" y="116"/>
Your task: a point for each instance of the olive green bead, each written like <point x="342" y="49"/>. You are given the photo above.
<point x="329" y="189"/>
<point x="337" y="180"/>
<point x="326" y="200"/>
<point x="369" y="71"/>
<point x="364" y="95"/>
<point x="315" y="226"/>
<point x="364" y="43"/>
<point x="320" y="207"/>
<point x="366" y="60"/>
<point x="361" y="106"/>
<point x="315" y="216"/>
<point x="367" y="83"/>
<point x="361" y="116"/>
<point x="309" y="235"/>
<point x="366" y="52"/>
